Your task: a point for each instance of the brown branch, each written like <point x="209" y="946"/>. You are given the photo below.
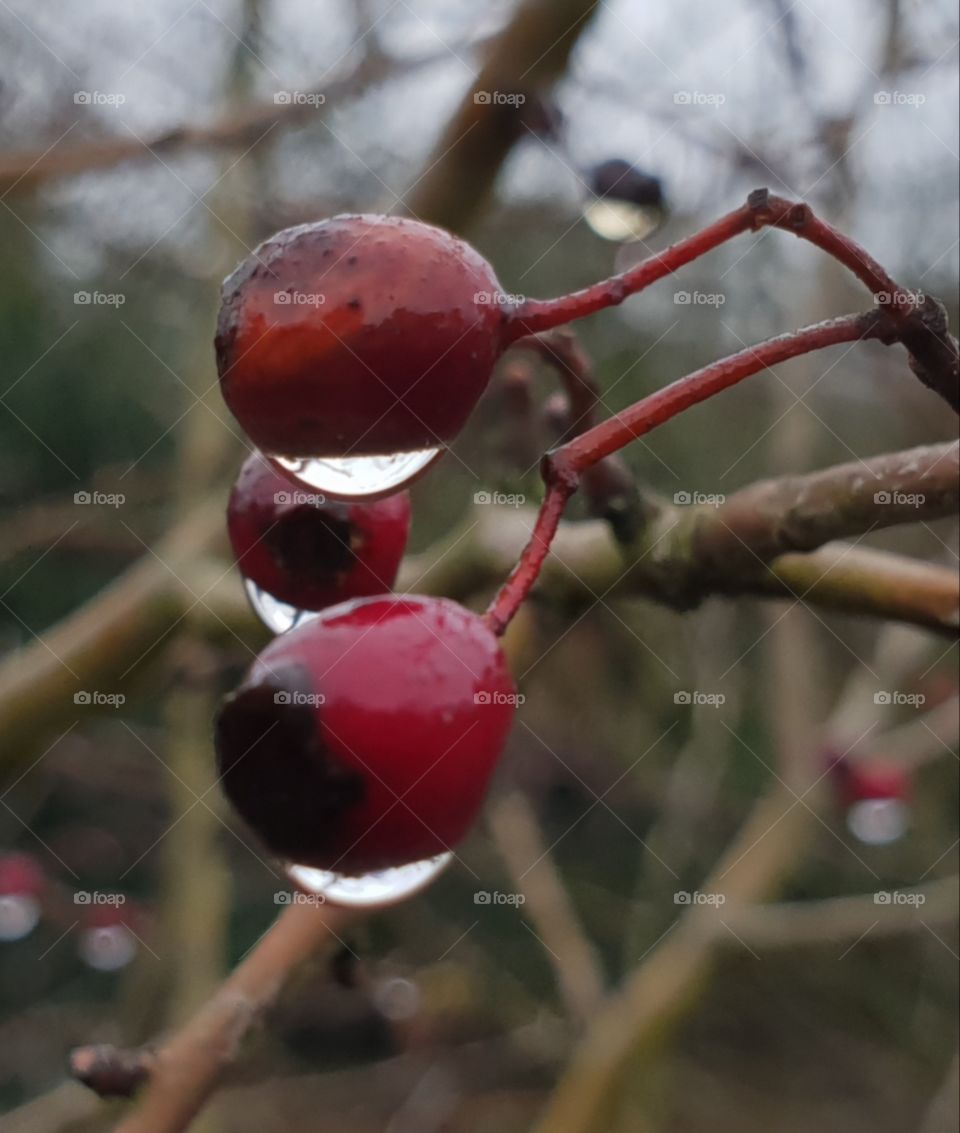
<point x="532" y="870"/>
<point x="801" y="513"/>
<point x="188" y="1066"/>
<point x="25" y="170"/>
<point x="110" y="1071"/>
<point x="528" y="55"/>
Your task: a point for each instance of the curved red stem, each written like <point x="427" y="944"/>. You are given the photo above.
<point x="563" y="467"/>
<point x="760" y="210"/>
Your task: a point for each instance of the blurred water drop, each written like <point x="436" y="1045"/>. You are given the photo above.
<point x="358" y="477"/>
<point x="878" y="822"/>
<point x="370" y="890"/>
<point x="107" y="948"/>
<point x="625" y="204"/>
<point x="19" y="916"/>
<point x="277" y="616"/>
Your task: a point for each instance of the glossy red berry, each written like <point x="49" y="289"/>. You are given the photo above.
<point x="308" y="551"/>
<point x="365" y="738"/>
<point x="22" y="882"/>
<point x="357" y="336"/>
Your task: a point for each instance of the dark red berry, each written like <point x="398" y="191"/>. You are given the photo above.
<point x="365" y="738"/>
<point x="357" y="336"/>
<point x="309" y="551"/>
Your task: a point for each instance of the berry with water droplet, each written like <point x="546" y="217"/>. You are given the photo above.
<point x="309" y="551"/>
<point x="357" y="336"/>
<point x="365" y="738"/>
<point x="22" y="882"/>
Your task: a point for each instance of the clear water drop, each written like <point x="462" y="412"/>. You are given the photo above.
<point x="370" y="890"/>
<point x="19" y="916"/>
<point x="277" y="616"/>
<point x="109" y="948"/>
<point x="621" y="220"/>
<point x="358" y="477"/>
<point x="878" y="822"/>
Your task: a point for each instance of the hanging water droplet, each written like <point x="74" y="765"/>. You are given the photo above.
<point x="108" y="948"/>
<point x="277" y="616"/>
<point x="878" y="822"/>
<point x="358" y="477"/>
<point x="19" y="916"/>
<point x="370" y="890"/>
<point x="621" y="220"/>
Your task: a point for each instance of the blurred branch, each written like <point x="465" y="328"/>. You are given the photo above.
<point x="105" y="638"/>
<point x="532" y="870"/>
<point x="188" y="1066"/>
<point x="671" y="974"/>
<point x="528" y="55"/>
<point x="838" y="919"/>
<point x="25" y="170"/>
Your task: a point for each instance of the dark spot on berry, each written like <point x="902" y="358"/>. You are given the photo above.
<point x="276" y="770"/>
<point x="353" y="304"/>
<point x="351" y="260"/>
<point x="308" y="542"/>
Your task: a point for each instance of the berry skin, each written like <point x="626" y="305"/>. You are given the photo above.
<point x="357" y="336"/>
<point x="366" y="737"/>
<point x="309" y="553"/>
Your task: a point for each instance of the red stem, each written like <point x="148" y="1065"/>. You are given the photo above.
<point x="525" y="573"/>
<point x="563" y="467"/>
<point x="761" y="210"/>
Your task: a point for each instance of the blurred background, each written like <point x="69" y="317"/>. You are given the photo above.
<point x="144" y="150"/>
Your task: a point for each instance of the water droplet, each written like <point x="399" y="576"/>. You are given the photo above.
<point x="277" y="616"/>
<point x="878" y="822"/>
<point x="383" y="887"/>
<point x="19" y="916"/>
<point x="621" y="220"/>
<point x="358" y="477"/>
<point x="108" y="949"/>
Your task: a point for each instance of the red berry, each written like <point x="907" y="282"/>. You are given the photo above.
<point x="357" y="336"/>
<point x="21" y="875"/>
<point x="308" y="551"/>
<point x="365" y="738"/>
<point x="874" y="781"/>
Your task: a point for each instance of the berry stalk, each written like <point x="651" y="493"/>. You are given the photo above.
<point x="563" y="468"/>
<point x="761" y="210"/>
